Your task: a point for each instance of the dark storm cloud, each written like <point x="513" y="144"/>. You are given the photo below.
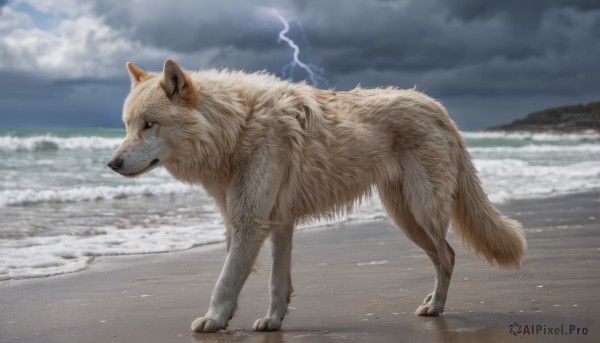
<point x="193" y="26"/>
<point x="524" y="12"/>
<point x="28" y="100"/>
<point x="3" y="2"/>
<point x="467" y="52"/>
<point x="534" y="41"/>
<point x="236" y="34"/>
<point x="505" y="58"/>
<point x="428" y="35"/>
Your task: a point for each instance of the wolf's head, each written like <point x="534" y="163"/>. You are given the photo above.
<point x="157" y="107"/>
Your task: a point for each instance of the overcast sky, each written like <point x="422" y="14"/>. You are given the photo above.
<point x="62" y="62"/>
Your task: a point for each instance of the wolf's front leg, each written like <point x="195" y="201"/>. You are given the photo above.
<point x="238" y="264"/>
<point x="250" y="200"/>
<point x="281" y="281"/>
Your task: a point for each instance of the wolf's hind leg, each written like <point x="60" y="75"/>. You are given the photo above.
<point x="433" y="304"/>
<point x="281" y="280"/>
<point x="432" y="241"/>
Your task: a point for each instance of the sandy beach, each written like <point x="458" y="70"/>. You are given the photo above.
<point x="353" y="282"/>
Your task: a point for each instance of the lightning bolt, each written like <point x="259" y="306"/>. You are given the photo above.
<point x="314" y="72"/>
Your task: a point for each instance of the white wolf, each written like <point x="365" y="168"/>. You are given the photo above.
<point x="273" y="153"/>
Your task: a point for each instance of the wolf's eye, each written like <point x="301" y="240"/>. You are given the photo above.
<point x="148" y="125"/>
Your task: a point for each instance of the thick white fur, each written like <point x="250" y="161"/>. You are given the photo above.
<point x="272" y="154"/>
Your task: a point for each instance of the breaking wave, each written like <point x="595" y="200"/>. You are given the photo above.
<point x="31" y="196"/>
<point x="52" y="143"/>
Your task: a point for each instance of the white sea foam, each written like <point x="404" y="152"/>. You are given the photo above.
<point x="47" y="142"/>
<point x="41" y="256"/>
<point x="531" y="136"/>
<point x="507" y="179"/>
<point x="563" y="149"/>
<point x="45" y="256"/>
<point x="33" y="196"/>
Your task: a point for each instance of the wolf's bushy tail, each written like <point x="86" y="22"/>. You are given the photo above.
<point x="480" y="226"/>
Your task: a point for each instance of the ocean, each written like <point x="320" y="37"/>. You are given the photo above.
<point x="60" y="206"/>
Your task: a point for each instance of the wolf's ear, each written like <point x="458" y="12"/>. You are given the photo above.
<point x="177" y="83"/>
<point x="137" y="74"/>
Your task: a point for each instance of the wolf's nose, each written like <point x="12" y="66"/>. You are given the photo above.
<point x="116" y="164"/>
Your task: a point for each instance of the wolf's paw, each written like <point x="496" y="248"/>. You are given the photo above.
<point x="267" y="324"/>
<point x="428" y="308"/>
<point x="427" y="298"/>
<point x="207" y="325"/>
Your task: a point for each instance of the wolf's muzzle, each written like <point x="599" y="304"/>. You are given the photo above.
<point x="116" y="164"/>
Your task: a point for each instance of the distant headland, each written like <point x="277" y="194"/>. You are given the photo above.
<point x="573" y="118"/>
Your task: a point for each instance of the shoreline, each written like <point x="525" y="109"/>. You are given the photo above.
<point x="318" y="224"/>
<point x="357" y="281"/>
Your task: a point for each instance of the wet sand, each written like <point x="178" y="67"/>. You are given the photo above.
<point x="354" y="282"/>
